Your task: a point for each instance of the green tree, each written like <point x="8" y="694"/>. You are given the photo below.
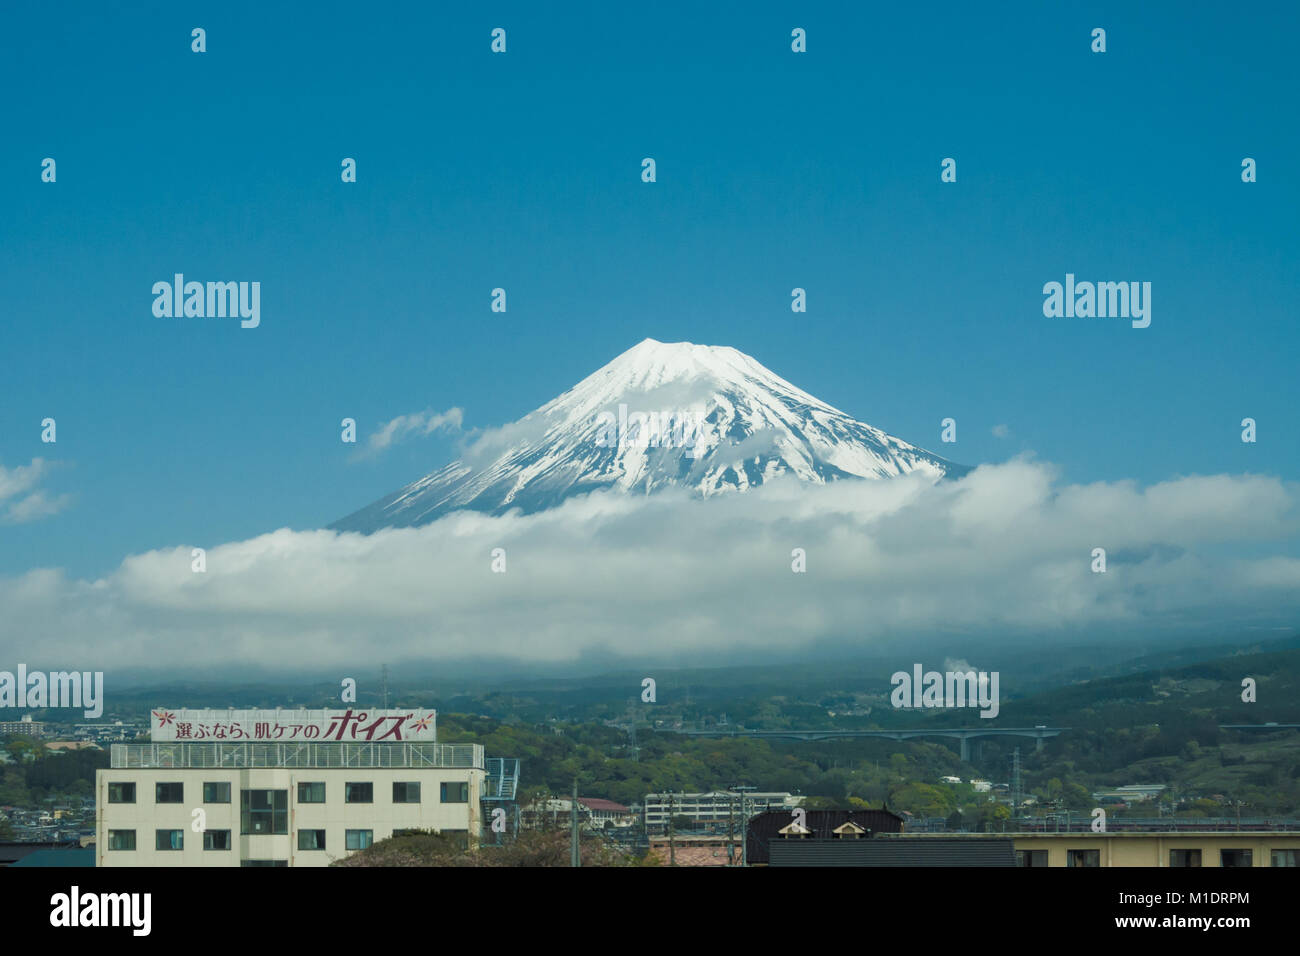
<point x="923" y="799"/>
<point x="1076" y="797"/>
<point x="13" y="789"/>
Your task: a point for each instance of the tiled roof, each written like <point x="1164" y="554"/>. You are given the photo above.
<point x="596" y="803"/>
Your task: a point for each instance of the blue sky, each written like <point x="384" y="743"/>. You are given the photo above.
<point x="522" y="170"/>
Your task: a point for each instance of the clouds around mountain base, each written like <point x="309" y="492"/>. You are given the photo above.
<point x="1005" y="552"/>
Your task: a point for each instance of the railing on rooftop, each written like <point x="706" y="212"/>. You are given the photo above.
<point x="1081" y="823"/>
<point x="1117" y="824"/>
<point x="220" y="754"/>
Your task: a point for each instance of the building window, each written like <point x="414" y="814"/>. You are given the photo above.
<point x="264" y="863"/>
<point x="359" y="839"/>
<point x="1234" y="858"/>
<point x="406" y="793"/>
<point x="1031" y="858"/>
<point x="216" y="839"/>
<point x="264" y="811"/>
<point x="1284" y="858"/>
<point x="311" y="839"/>
<point x="121" y="793"/>
<point x="454" y="792"/>
<point x="358" y="793"/>
<point x="1184" y="857"/>
<point x="311" y="792"/>
<point x="121" y="839"/>
<point x="216" y="793"/>
<point x="169" y="793"/>
<point x="169" y="839"/>
<point x="1083" y="858"/>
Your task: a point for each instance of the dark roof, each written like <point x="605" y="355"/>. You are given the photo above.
<point x="766" y="826"/>
<point x="58" y="858"/>
<point x="11" y="853"/>
<point x="991" y="851"/>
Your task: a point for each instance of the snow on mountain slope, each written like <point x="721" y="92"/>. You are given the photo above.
<point x="707" y="418"/>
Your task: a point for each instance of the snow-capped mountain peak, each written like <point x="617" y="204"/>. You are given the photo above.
<point x="704" y="417"/>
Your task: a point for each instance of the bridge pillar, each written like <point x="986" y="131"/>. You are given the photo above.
<point x="965" y="748"/>
<point x="1038" y="744"/>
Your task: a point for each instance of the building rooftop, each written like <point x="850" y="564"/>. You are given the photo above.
<point x="60" y="857"/>
<point x="991" y="851"/>
<point x="597" y="803"/>
<point x="765" y="828"/>
<point x="218" y="754"/>
<point x="1088" y="834"/>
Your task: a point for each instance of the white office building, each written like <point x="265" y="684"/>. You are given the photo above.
<point x="281" y="788"/>
<point x="715" y="807"/>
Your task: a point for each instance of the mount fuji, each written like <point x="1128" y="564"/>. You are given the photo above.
<point x="661" y="415"/>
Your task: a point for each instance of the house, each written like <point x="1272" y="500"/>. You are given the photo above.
<point x="863" y="838"/>
<point x="782" y="826"/>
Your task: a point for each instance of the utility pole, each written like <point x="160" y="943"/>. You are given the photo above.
<point x="744" y="832"/>
<point x="731" y="831"/>
<point x="672" y="844"/>
<point x="744" y="822"/>
<point x="1015" y="784"/>
<point x="575" y="856"/>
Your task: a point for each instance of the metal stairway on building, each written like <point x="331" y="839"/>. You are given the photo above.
<point x="502" y="778"/>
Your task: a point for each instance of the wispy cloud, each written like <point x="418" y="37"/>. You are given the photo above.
<point x="1001" y="431"/>
<point x="20" y="500"/>
<point x="417" y="425"/>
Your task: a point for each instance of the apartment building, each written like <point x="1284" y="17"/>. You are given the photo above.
<point x="713" y="808"/>
<point x="281" y="788"/>
<point x="26" y="727"/>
